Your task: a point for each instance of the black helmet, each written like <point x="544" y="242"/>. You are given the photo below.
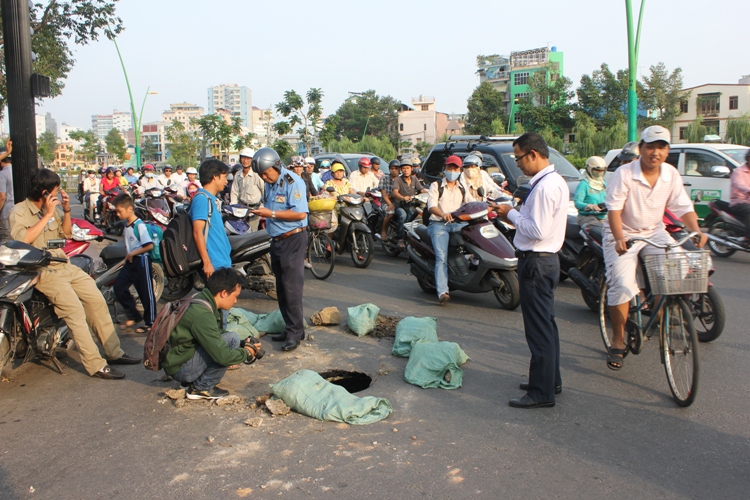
<point x="375" y="160"/>
<point x="264" y="159"/>
<point x="236" y="168"/>
<point x="394" y="163"/>
<point x="630" y="151"/>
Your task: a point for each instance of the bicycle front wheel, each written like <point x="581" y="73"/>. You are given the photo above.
<point x="320" y="255"/>
<point x="680" y="351"/>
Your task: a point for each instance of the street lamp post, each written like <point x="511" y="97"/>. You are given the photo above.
<point x="136" y="119"/>
<point x="634" y="42"/>
<point x="366" y="123"/>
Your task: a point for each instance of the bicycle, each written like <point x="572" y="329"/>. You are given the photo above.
<point x="320" y="253"/>
<point x="669" y="276"/>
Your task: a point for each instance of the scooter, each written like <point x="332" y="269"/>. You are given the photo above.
<point x="154" y="206"/>
<point x="237" y="218"/>
<point x="480" y="259"/>
<point x="725" y="232"/>
<point x="108" y="218"/>
<point x="352" y="233"/>
<point x="376" y="217"/>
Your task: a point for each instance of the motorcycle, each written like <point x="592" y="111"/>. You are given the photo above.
<point x="376" y="217"/>
<point x="480" y="259"/>
<point x="108" y="218"/>
<point x="726" y="233"/>
<point x="352" y="233"/>
<point x="154" y="205"/>
<point x="236" y="218"/>
<point x="573" y="244"/>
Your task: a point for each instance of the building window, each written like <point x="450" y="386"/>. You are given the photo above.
<point x="425" y="127"/>
<point x="401" y="127"/>
<point x="712" y="127"/>
<point x="517" y="118"/>
<point x="708" y="104"/>
<point x="734" y="102"/>
<point x="425" y="107"/>
<point x="682" y="132"/>
<point x="683" y="108"/>
<point x="522" y="95"/>
<point x="521" y="78"/>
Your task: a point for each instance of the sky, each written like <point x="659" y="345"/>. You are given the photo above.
<point x="402" y="48"/>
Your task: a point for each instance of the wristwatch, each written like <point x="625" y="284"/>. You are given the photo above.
<point x="273" y="214"/>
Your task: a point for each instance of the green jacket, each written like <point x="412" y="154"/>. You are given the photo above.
<point x="200" y="327"/>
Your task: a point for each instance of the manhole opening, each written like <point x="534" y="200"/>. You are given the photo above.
<point x="351" y="381"/>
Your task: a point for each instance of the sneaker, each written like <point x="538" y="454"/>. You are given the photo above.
<point x="213" y="393"/>
<point x="308" y="265"/>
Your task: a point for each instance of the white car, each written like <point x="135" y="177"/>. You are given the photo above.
<point x="697" y="163"/>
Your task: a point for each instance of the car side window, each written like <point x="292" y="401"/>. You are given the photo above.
<point x="699" y="163"/>
<point x="673" y="158"/>
<point x="490" y="164"/>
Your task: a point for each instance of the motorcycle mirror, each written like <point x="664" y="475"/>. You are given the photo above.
<point x="330" y="189"/>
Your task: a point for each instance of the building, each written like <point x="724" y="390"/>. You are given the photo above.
<point x="184" y="113"/>
<point x="421" y="123"/>
<point x="101" y="125"/>
<point x="237" y="99"/>
<point x="715" y="103"/>
<point x="511" y="74"/>
<point x="65" y="131"/>
<point x="122" y="121"/>
<point x="64" y="156"/>
<point x="45" y="123"/>
<point x="154" y="132"/>
<point x="263" y="126"/>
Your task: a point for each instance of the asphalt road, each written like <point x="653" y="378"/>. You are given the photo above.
<point x="610" y="434"/>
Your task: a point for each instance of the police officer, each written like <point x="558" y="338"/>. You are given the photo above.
<point x="285" y="210"/>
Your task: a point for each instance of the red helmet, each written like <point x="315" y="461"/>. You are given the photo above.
<point x="365" y="162"/>
<point x="147" y="166"/>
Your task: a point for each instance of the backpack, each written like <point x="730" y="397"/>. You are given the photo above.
<point x="426" y="213"/>
<point x="156" y="236"/>
<point x="178" y="250"/>
<point x="156" y="346"/>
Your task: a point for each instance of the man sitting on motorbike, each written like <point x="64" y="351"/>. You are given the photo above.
<point x="405" y="187"/>
<point x="739" y="198"/>
<point x="386" y="190"/>
<point x="363" y="179"/>
<point x="74" y="294"/>
<point x="591" y="192"/>
<point x="637" y="196"/>
<point x="90" y="192"/>
<point x="148" y="180"/>
<point x="444" y="198"/>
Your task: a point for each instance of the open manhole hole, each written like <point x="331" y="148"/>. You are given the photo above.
<point x="351" y="381"/>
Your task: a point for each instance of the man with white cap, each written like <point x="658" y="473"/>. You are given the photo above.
<point x="247" y="187"/>
<point x="637" y="196"/>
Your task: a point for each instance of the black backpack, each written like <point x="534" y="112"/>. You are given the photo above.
<point x="178" y="250"/>
<point x="426" y="213"/>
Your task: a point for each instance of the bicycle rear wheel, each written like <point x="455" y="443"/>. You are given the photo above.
<point x="680" y="351"/>
<point x="633" y="335"/>
<point x="320" y="255"/>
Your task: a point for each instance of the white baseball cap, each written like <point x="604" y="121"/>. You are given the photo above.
<point x="656" y="133"/>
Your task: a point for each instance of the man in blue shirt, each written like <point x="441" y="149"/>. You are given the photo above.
<point x="205" y="211"/>
<point x="285" y="210"/>
<point x="131" y="177"/>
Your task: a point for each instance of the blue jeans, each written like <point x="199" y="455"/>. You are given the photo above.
<point x="201" y="370"/>
<point x="440" y="236"/>
<point x="402" y="215"/>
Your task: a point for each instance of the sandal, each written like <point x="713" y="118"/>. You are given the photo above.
<point x="143" y="330"/>
<point x="615" y="359"/>
<point x="233" y="367"/>
<point x="127" y="325"/>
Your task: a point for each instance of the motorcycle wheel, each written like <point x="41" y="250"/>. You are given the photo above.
<point x="425" y="287"/>
<point x="593" y="273"/>
<point x="362" y="251"/>
<point x="177" y="288"/>
<point x="158" y="278"/>
<point x="720" y="229"/>
<point x="509" y="294"/>
<point x="708" y="314"/>
<point x="388" y="247"/>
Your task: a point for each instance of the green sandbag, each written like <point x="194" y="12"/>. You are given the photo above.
<point x="410" y="330"/>
<point x="272" y="322"/>
<point x="362" y="318"/>
<point x="308" y="393"/>
<point x="430" y="361"/>
<point x="241" y="322"/>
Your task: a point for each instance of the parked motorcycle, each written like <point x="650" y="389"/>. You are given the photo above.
<point x="480" y="259"/>
<point x="726" y="233"/>
<point x="352" y="233"/>
<point x="154" y="205"/>
<point x="376" y="217"/>
<point x="237" y="218"/>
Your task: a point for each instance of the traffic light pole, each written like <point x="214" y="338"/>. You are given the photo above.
<point x="634" y="42"/>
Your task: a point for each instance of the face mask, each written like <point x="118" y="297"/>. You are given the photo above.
<point x="452" y="176"/>
<point x="597" y="174"/>
<point x="472" y="173"/>
<point x="92" y="176"/>
<point x="149" y="175"/>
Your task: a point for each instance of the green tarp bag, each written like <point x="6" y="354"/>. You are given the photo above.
<point x="410" y="330"/>
<point x="241" y="322"/>
<point x="362" y="318"/>
<point x="431" y="361"/>
<point x="308" y="393"/>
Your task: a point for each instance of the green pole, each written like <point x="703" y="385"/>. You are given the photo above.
<point x="366" y="123"/>
<point x="135" y="119"/>
<point x="634" y="41"/>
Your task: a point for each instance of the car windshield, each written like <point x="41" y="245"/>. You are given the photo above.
<point x="353" y="163"/>
<point x="562" y="165"/>
<point x="737" y="155"/>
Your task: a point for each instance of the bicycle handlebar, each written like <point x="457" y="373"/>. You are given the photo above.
<point x="667" y="246"/>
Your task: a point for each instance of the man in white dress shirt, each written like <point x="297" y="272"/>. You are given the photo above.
<point x="540" y="232"/>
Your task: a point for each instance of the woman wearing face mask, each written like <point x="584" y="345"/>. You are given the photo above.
<point x="592" y="190"/>
<point x="479" y="184"/>
<point x="148" y="180"/>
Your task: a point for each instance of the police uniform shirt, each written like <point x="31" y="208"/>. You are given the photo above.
<point x="25" y="215"/>
<point x="287" y="193"/>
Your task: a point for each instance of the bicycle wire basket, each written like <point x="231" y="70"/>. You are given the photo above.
<point x="678" y="273"/>
<point x="320" y="220"/>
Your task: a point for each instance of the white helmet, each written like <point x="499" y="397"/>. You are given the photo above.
<point x="310" y="160"/>
<point x="247" y="152"/>
<point x="191" y="170"/>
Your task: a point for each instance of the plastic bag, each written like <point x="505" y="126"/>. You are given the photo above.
<point x="410" y="330"/>
<point x="308" y="393"/>
<point x="435" y="364"/>
<point x="241" y="322"/>
<point x="362" y="318"/>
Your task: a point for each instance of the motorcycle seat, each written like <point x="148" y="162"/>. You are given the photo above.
<point x="248" y="239"/>
<point x="114" y="253"/>
<point x="596" y="233"/>
<point x="456" y="240"/>
<point x="722" y="205"/>
<point x="572" y="230"/>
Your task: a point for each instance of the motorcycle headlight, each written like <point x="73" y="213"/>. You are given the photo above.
<point x="10" y="256"/>
<point x="81" y="234"/>
<point x="422" y="198"/>
<point x="489" y="231"/>
<point x="155" y="193"/>
<point x="16" y="292"/>
<point x="352" y="199"/>
<point x="239" y="212"/>
<point x="162" y="219"/>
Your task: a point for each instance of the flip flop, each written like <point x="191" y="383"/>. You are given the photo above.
<point x="615" y="357"/>
<point x="143" y="330"/>
<point x="127" y="325"/>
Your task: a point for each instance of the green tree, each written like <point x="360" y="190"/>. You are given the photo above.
<point x="585" y="132"/>
<point x="283" y="148"/>
<point x="549" y="103"/>
<point x="182" y="146"/>
<point x="380" y="146"/>
<point x="90" y="146"/>
<point x="485" y="105"/>
<point x="244" y="141"/>
<point x="225" y="135"/>
<point x="603" y="96"/>
<point x="149" y="149"/>
<point x="115" y="144"/>
<point x="738" y="130"/>
<point x="328" y="133"/>
<point x="46" y="146"/>
<point x="552" y="140"/>
<point x="378" y="113"/>
<point x="293" y="108"/>
<point x="498" y="126"/>
<point x="696" y="131"/>
<point x="662" y="94"/>
<point x="56" y="23"/>
<point x="423" y="148"/>
<point x="217" y="131"/>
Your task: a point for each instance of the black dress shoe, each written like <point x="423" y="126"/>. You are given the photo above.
<point x="279" y="338"/>
<point x="527" y="402"/>
<point x="109" y="373"/>
<point x="124" y="360"/>
<point x="290" y="345"/>
<point x="525" y="387"/>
